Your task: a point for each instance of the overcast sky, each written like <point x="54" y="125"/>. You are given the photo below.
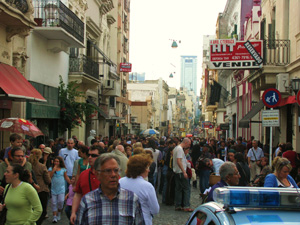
<point x="154" y="22"/>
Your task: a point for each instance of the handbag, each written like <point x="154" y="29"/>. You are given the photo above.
<point x="194" y="176"/>
<point x="4" y="211"/>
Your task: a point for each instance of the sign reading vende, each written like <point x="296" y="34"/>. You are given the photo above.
<point x="232" y="54"/>
<point x="125" y="67"/>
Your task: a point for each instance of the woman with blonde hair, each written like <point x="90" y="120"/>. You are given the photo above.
<point x="137" y="170"/>
<point x="43" y="179"/>
<point x="281" y="177"/>
<point x="138" y="150"/>
<point x="137" y="145"/>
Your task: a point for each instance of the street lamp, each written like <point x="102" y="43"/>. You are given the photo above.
<point x="174" y="43"/>
<point x="295" y="83"/>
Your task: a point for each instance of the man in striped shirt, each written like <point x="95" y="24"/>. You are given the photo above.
<point x="109" y="204"/>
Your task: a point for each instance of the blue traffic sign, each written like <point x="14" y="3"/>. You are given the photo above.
<point x="271" y="97"/>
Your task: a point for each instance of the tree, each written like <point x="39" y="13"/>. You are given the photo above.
<point x="72" y="112"/>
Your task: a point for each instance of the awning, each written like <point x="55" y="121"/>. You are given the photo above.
<point x="100" y="111"/>
<point x="244" y="122"/>
<point x="14" y="85"/>
<point x="288" y="100"/>
<point x="103" y="114"/>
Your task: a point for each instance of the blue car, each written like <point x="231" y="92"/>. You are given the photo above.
<point x="249" y="206"/>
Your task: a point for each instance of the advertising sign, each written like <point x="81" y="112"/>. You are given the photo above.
<point x="232" y="54"/>
<point x="207" y="124"/>
<point x="125" y="67"/>
<point x="270" y="118"/>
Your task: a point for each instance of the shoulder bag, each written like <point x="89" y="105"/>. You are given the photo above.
<point x="258" y="162"/>
<point x="4" y="211"/>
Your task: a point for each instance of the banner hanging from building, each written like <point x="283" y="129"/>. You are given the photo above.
<point x="232" y="54"/>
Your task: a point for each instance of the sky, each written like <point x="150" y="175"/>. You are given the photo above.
<point x="154" y="24"/>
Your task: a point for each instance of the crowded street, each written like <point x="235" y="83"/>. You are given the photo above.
<point x="138" y="112"/>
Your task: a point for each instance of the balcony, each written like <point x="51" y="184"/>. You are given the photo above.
<point x="56" y="22"/>
<point x="85" y="69"/>
<point x="276" y="56"/>
<point x="276" y="52"/>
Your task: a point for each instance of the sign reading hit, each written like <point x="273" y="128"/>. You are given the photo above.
<point x="232" y="54"/>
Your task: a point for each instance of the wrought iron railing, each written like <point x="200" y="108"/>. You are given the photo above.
<point x="54" y="13"/>
<point x="85" y="65"/>
<point x="276" y="52"/>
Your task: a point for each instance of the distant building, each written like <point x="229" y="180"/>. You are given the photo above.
<point x="188" y="77"/>
<point x="137" y="77"/>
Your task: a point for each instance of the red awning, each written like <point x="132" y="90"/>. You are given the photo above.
<point x="288" y="100"/>
<point x="15" y="85"/>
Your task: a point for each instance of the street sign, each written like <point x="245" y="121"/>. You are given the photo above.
<point x="224" y="126"/>
<point x="271" y="97"/>
<point x="270" y="118"/>
<point x="298" y="98"/>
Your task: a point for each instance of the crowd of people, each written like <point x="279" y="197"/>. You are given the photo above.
<point x="118" y="179"/>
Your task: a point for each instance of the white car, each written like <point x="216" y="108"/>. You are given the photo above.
<point x="249" y="206"/>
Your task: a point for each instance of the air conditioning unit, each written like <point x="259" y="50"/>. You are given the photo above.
<point x="109" y="84"/>
<point x="282" y="82"/>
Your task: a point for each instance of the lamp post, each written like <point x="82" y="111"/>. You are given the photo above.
<point x="174" y="43"/>
<point x="295" y="83"/>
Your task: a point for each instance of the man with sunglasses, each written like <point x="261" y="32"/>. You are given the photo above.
<point x="87" y="180"/>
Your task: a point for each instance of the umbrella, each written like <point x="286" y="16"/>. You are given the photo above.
<point x="18" y="125"/>
<point x="189" y="135"/>
<point x="149" y="132"/>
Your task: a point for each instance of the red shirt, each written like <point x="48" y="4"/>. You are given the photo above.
<point x="83" y="184"/>
<point x="291" y="155"/>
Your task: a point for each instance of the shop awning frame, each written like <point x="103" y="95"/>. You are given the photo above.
<point x="14" y="86"/>
<point x="245" y="121"/>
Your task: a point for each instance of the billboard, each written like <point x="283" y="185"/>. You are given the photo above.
<point x="125" y="67"/>
<point x="232" y="54"/>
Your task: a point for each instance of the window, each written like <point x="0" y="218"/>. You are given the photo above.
<point x="112" y="102"/>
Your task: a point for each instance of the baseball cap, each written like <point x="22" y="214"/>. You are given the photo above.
<point x="47" y="150"/>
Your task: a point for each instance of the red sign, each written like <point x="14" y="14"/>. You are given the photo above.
<point x="232" y="54"/>
<point x="125" y="67"/>
<point x="298" y="98"/>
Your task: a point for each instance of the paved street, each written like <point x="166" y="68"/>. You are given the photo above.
<point x="167" y="215"/>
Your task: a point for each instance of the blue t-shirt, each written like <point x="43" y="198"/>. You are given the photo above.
<point x="69" y="157"/>
<point x="58" y="182"/>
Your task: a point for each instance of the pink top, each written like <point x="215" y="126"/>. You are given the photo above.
<point x="70" y="196"/>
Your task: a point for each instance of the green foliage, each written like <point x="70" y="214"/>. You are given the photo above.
<point x="72" y="113"/>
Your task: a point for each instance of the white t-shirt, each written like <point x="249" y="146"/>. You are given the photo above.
<point x="179" y="153"/>
<point x="69" y="157"/>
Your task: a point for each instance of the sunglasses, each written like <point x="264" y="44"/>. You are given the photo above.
<point x="92" y="155"/>
<point x="285" y="163"/>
